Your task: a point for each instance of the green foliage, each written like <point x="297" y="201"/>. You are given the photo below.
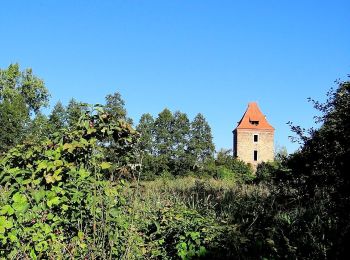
<point x="225" y="174"/>
<point x="56" y="195"/>
<point x="13" y="119"/>
<point x="267" y="171"/>
<point x="201" y="147"/>
<point x="27" y="85"/>
<point x="232" y="168"/>
<point x="179" y="231"/>
<point x="21" y="93"/>
<point x="58" y="117"/>
<point x="171" y="143"/>
<point x="64" y="195"/>
<point x="115" y="106"/>
<point x="74" y="111"/>
<point x="320" y="173"/>
<point x="38" y="129"/>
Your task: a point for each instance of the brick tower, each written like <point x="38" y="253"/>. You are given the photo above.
<point x="253" y="138"/>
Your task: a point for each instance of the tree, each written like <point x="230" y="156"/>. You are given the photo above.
<point x="281" y="153"/>
<point x="319" y="177"/>
<point x="163" y="137"/>
<point x="34" y="91"/>
<point x="21" y="94"/>
<point x="180" y="161"/>
<point x="116" y="106"/>
<point x="13" y="119"/>
<point x="145" y="128"/>
<point x="38" y="129"/>
<point x="31" y="88"/>
<point x="74" y="111"/>
<point x="201" y="146"/>
<point x="58" y="117"/>
<point x="147" y="145"/>
<point x="172" y="144"/>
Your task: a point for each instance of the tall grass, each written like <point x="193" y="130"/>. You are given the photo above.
<point x="224" y="198"/>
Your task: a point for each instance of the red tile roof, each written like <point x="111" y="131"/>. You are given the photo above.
<point x="254" y="119"/>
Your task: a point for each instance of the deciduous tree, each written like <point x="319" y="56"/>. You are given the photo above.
<point x="21" y="94"/>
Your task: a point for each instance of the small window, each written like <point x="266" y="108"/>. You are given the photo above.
<point x="256" y="138"/>
<point x="255" y="156"/>
<point x="254" y="122"/>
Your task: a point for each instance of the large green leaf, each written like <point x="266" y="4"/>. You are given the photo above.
<point x="5" y="224"/>
<point x="7" y="210"/>
<point x="38" y="195"/>
<point x="20" y="203"/>
<point x="53" y="201"/>
<point x="105" y="165"/>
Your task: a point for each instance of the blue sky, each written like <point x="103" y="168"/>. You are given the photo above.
<point x="202" y="56"/>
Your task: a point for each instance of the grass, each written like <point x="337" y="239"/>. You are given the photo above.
<point x="224" y="198"/>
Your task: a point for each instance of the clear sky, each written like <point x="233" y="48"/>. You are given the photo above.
<point x="202" y="56"/>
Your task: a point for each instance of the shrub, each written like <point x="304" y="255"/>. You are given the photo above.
<point x="57" y="199"/>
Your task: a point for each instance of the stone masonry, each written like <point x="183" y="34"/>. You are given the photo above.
<point x="253" y="138"/>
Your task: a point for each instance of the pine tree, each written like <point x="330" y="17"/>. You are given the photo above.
<point x="58" y="117"/>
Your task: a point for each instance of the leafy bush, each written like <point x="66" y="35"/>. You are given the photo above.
<point x="226" y="163"/>
<point x="56" y="195"/>
<point x="179" y="231"/>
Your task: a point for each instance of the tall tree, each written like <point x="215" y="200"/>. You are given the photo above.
<point x="13" y="119"/>
<point x="145" y="128"/>
<point x="201" y="146"/>
<point x="58" y="117"/>
<point x="38" y="129"/>
<point x="163" y="131"/>
<point x="21" y="94"/>
<point x="147" y="145"/>
<point x="181" y="130"/>
<point x="30" y="87"/>
<point x="320" y="171"/>
<point x="74" y="111"/>
<point x="163" y="137"/>
<point x="115" y="105"/>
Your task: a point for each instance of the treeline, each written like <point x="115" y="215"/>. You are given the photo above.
<point x="169" y="145"/>
<point x="23" y="96"/>
<point x="173" y="145"/>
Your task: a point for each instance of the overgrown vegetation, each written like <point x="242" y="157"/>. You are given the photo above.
<point x="82" y="183"/>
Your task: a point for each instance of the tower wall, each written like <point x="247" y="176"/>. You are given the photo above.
<point x="245" y="146"/>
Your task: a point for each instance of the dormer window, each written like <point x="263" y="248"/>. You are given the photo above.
<point x="254" y="122"/>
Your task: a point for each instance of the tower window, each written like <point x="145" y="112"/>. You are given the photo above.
<point x="254" y="122"/>
<point x="256" y="138"/>
<point x="255" y="155"/>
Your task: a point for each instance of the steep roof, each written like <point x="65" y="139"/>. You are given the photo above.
<point x="254" y="119"/>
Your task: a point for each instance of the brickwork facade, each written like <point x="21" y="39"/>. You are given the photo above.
<point x="253" y="139"/>
<point x="262" y="146"/>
